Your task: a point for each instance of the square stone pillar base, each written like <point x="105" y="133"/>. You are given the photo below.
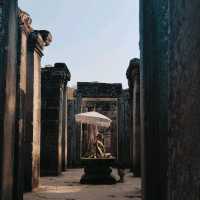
<point x="97" y="171"/>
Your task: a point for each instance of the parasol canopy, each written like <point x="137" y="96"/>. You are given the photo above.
<point x="93" y="118"/>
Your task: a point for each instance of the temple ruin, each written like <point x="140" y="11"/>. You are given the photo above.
<point x="155" y="122"/>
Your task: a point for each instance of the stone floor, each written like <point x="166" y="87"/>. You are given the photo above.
<point x="67" y="187"/>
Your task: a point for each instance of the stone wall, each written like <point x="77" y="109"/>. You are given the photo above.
<point x="100" y="90"/>
<point x="54" y="126"/>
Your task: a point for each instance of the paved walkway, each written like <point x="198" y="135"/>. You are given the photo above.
<point x="67" y="187"/>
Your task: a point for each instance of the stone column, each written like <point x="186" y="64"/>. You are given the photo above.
<point x="124" y="134"/>
<point x="54" y="82"/>
<point x="64" y="129"/>
<point x="136" y="118"/>
<point x="24" y="31"/>
<point x="184" y="97"/>
<point x="130" y="119"/>
<point x="71" y="134"/>
<point x="133" y="75"/>
<point x="8" y="74"/>
<point x="170" y="47"/>
<point x="154" y="97"/>
<point x="36" y="42"/>
<point x="64" y="118"/>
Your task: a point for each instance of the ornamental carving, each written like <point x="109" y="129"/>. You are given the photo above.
<point x="37" y="38"/>
<point x="46" y="36"/>
<point x="25" y="20"/>
<point x="41" y="37"/>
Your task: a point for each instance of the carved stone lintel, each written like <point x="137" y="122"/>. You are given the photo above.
<point x="62" y="67"/>
<point x="59" y="73"/>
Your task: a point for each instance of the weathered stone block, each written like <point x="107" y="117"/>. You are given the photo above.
<point x="87" y="89"/>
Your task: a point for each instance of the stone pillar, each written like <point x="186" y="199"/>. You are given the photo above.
<point x="23" y="32"/>
<point x="54" y="82"/>
<point x="64" y="129"/>
<point x="36" y="42"/>
<point x="71" y="134"/>
<point x="124" y="134"/>
<point x="170" y="75"/>
<point x="130" y="119"/>
<point x="136" y="118"/>
<point x="133" y="75"/>
<point x="154" y="97"/>
<point x="8" y="74"/>
<point x="184" y="97"/>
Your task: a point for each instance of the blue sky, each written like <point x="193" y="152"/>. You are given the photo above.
<point x="95" y="38"/>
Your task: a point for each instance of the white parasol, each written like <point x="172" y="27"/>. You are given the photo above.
<point x="93" y="118"/>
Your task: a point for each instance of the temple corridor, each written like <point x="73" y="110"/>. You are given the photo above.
<point x="49" y="129"/>
<point x="67" y="187"/>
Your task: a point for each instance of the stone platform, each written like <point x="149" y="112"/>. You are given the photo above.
<point x="98" y="171"/>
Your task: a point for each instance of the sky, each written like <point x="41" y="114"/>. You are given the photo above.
<point x="95" y="38"/>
